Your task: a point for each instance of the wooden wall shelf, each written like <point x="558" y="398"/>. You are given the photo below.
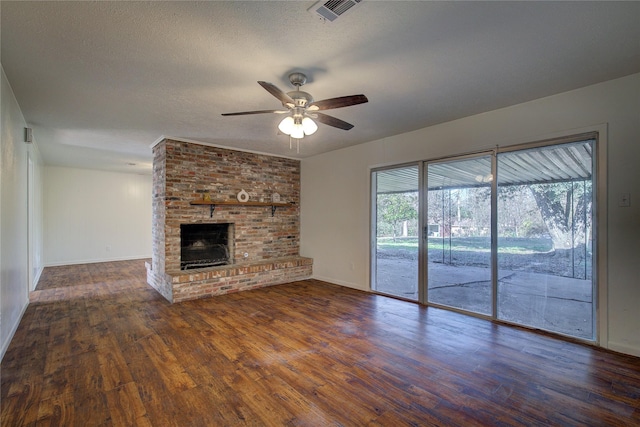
<point x="212" y="205"/>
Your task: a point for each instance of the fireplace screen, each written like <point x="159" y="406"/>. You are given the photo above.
<point x="204" y="245"/>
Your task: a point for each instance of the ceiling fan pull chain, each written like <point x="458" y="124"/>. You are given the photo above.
<point x="297" y="144"/>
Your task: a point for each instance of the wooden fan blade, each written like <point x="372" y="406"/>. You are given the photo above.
<point x="342" y="101"/>
<point x="332" y="121"/>
<point x="244" y="113"/>
<point x="273" y="90"/>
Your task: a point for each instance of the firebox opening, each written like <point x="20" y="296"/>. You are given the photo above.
<point x="204" y="245"/>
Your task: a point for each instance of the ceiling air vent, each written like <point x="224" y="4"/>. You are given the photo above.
<point x="332" y="9"/>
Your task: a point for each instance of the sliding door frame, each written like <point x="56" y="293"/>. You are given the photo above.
<point x="424" y="285"/>
<point x="373" y="238"/>
<point x="599" y="230"/>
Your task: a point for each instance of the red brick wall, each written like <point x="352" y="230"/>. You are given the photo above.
<point x="184" y="172"/>
<point x="158" y="220"/>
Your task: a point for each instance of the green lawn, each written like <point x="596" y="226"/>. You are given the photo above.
<point x="514" y="245"/>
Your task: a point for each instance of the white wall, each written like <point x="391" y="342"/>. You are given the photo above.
<point x="95" y="216"/>
<point x="36" y="228"/>
<point x="14" y="271"/>
<point x="335" y="188"/>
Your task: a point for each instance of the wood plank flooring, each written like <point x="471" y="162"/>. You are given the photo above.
<point x="98" y="347"/>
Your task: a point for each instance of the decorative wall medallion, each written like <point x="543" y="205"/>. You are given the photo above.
<point x="275" y="198"/>
<point x="243" y="196"/>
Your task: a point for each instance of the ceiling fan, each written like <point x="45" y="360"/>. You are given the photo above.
<point x="301" y="108"/>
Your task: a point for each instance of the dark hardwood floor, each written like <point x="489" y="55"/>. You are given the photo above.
<point x="98" y="347"/>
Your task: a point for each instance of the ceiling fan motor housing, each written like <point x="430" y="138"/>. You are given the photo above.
<point x="297" y="79"/>
<point x="302" y="99"/>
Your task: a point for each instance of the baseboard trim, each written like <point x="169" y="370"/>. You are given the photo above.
<point x="95" y="261"/>
<point x="14" y="328"/>
<point x="36" y="279"/>
<point x="624" y="348"/>
<point x="341" y="283"/>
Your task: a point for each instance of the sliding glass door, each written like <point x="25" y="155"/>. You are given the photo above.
<point x="545" y="234"/>
<point x="395" y="237"/>
<point x="458" y="233"/>
<point x="507" y="234"/>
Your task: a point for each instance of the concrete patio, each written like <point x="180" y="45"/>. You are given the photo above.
<point x="544" y="301"/>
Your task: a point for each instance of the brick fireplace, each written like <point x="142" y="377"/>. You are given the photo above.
<point x="263" y="239"/>
<point x="205" y="245"/>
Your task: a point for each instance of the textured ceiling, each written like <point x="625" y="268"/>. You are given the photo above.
<point x="99" y="82"/>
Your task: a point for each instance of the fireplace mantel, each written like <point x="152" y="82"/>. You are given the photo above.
<point x="212" y="205"/>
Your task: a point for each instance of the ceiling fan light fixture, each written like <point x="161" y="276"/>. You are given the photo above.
<point x="296" y="127"/>
<point x="297" y="132"/>
<point x="286" y="125"/>
<point x="309" y="126"/>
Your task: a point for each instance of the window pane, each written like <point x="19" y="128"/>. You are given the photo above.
<point x="459" y="234"/>
<point x="395" y="262"/>
<point x="544" y="238"/>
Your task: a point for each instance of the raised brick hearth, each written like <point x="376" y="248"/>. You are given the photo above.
<point x="184" y="172"/>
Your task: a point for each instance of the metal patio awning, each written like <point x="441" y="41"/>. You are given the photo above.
<point x="556" y="163"/>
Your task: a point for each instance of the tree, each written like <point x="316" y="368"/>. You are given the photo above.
<point x="566" y="210"/>
<point x="396" y="208"/>
<point x="438" y="209"/>
<point x="518" y="214"/>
